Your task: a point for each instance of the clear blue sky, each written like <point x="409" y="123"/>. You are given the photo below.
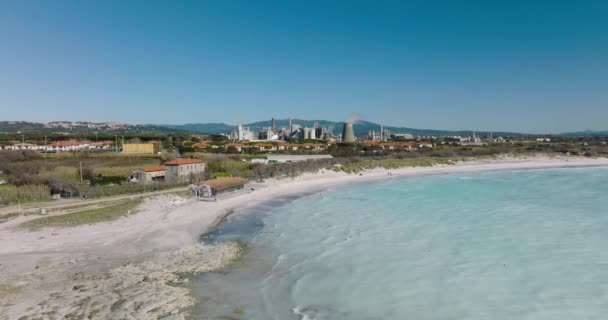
<point x="532" y="66"/>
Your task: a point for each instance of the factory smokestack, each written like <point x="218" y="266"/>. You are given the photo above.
<point x="348" y="134"/>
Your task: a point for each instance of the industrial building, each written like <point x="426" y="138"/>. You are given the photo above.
<point x="138" y="148"/>
<point x="242" y="134"/>
<point x="382" y="135"/>
<point x="348" y="133"/>
<point x="402" y="136"/>
<point x="272" y="133"/>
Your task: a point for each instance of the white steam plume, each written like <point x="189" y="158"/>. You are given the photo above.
<point x="354" y="118"/>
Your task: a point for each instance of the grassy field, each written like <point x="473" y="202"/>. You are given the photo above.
<point x="93" y="155"/>
<point x="10" y="194"/>
<point x="91" y="216"/>
<point x="67" y="165"/>
<point x="223" y="165"/>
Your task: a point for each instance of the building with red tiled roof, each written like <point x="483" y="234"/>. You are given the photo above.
<point x="204" y="144"/>
<point x="152" y="168"/>
<point x="314" y="146"/>
<point x="238" y="146"/>
<point x="423" y="144"/>
<point x="178" y="162"/>
<point x="148" y="174"/>
<point x="263" y="147"/>
<point x="184" y="170"/>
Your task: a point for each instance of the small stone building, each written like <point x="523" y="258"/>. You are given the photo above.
<point x="224" y="185"/>
<point x="184" y="170"/>
<point x="149" y="174"/>
<point x="210" y="189"/>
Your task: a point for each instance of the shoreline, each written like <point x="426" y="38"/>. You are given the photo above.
<point x="70" y="269"/>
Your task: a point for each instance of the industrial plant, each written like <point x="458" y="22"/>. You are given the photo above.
<point x="348" y="133"/>
<point x="294" y="131"/>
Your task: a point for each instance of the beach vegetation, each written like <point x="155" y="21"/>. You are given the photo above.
<point x="28" y="193"/>
<point x="37" y="176"/>
<point x="89" y="216"/>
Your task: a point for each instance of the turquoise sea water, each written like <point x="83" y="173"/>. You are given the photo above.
<point x="493" y="245"/>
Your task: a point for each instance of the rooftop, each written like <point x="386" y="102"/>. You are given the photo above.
<point x="179" y="162"/>
<point x="69" y="143"/>
<point x="152" y="168"/>
<point x="226" y="183"/>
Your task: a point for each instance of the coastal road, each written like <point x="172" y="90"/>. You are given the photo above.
<point x="59" y="205"/>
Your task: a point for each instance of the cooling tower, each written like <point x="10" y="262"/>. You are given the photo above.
<point x="348" y="135"/>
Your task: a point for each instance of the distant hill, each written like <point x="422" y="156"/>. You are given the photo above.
<point x="361" y="128"/>
<point x="15" y="126"/>
<point x="80" y="127"/>
<point x="206" y="128"/>
<point x="586" y="133"/>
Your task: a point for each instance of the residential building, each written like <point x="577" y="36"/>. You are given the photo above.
<point x="281" y="158"/>
<point x="265" y="147"/>
<point x="23" y="146"/>
<point x="237" y="146"/>
<point x="204" y="145"/>
<point x="184" y="170"/>
<point x="102" y="145"/>
<point x="314" y="146"/>
<point x="72" y="145"/>
<point x="148" y="174"/>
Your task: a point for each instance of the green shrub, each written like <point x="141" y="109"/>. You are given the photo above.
<point x="25" y="193"/>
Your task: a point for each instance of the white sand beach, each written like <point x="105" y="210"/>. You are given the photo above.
<point x="132" y="268"/>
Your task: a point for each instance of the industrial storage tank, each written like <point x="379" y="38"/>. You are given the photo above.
<point x="348" y="134"/>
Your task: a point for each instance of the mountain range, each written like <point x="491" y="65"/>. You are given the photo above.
<point x="80" y="127"/>
<point x="587" y="133"/>
<point x="361" y="128"/>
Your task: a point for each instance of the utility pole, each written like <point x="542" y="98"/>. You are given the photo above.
<point x="45" y="152"/>
<point x="116" y="143"/>
<point x="80" y="171"/>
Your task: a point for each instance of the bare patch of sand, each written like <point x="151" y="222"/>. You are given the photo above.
<point x="154" y="288"/>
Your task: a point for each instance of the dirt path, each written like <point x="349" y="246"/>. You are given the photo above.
<point x="67" y="204"/>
